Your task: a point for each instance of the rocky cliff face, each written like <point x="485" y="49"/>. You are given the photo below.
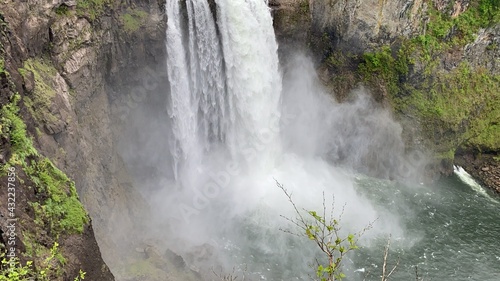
<point x="434" y="63"/>
<point x="44" y="227"/>
<point x="76" y="66"/>
<point x="358" y="26"/>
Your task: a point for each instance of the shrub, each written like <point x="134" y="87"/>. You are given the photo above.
<point x="325" y="233"/>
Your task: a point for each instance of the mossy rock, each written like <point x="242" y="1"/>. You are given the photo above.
<point x="61" y="210"/>
<point x="40" y="102"/>
<point x="133" y="20"/>
<point x="454" y="108"/>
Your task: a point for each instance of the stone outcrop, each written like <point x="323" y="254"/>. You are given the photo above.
<point x="292" y="24"/>
<point x="484" y="52"/>
<point x="72" y="67"/>
<point x="357" y="26"/>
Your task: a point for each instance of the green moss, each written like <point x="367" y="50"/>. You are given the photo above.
<point x="91" y="9"/>
<point x="57" y="206"/>
<point x="69" y="215"/>
<point x="447" y="155"/>
<point x="456" y="108"/>
<point x="2" y="65"/>
<point x="133" y="19"/>
<point x="304" y="7"/>
<point x="444" y="31"/>
<point x="463" y="104"/>
<point x="40" y="102"/>
<point x="61" y="211"/>
<point x="382" y="63"/>
<point x="30" y="244"/>
<point x="62" y="10"/>
<point x="13" y="128"/>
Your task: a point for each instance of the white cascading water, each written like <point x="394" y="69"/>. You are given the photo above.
<point x="231" y="140"/>
<point x="253" y="77"/>
<point x="208" y="91"/>
<point x="185" y="127"/>
<point x="201" y="109"/>
<point x="470" y="181"/>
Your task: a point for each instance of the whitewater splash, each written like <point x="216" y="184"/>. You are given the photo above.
<point x="470" y="181"/>
<point x="236" y="128"/>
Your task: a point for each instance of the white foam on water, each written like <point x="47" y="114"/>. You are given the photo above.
<point x="470" y="181"/>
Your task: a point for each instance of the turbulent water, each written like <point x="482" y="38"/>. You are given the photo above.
<point x="451" y="229"/>
<point x="237" y="124"/>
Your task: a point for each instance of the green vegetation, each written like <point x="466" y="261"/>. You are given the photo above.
<point x="12" y="270"/>
<point x="81" y="276"/>
<point x="304" y="7"/>
<point x="61" y="211"/>
<point x="62" y="10"/>
<point x="455" y="108"/>
<point x="40" y="102"/>
<point x="49" y="262"/>
<point x="324" y="232"/>
<point x="91" y="9"/>
<point x="2" y="65"/>
<point x="463" y="101"/>
<point x="13" y="128"/>
<point x="444" y="31"/>
<point x="133" y="19"/>
<point x="388" y="67"/>
<point x="52" y="264"/>
<point x="50" y="267"/>
<point x="58" y="209"/>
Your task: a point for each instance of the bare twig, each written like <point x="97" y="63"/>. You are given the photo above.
<point x="385" y="276"/>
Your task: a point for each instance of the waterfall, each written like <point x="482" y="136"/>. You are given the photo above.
<point x="224" y="89"/>
<point x="207" y="72"/>
<point x="253" y="78"/>
<point x="195" y="70"/>
<point x="237" y="125"/>
<point x="181" y="109"/>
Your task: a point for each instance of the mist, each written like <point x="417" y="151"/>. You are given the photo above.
<point x="207" y="167"/>
<point x="226" y="212"/>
